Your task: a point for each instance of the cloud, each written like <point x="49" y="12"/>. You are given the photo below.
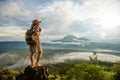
<point x="13" y="14"/>
<point x="81" y="56"/>
<point x="91" y="18"/>
<point x="57" y="17"/>
<point x="69" y="17"/>
<point x="12" y="9"/>
<point x="11" y="31"/>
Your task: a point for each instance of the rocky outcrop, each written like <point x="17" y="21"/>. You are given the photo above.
<point x="37" y="73"/>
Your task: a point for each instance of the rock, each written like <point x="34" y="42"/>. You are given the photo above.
<point x="37" y="73"/>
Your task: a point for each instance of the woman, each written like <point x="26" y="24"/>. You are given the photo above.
<point x="37" y="46"/>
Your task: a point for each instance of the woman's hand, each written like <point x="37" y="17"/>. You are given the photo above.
<point x="37" y="33"/>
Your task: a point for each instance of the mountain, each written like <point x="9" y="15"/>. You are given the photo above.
<point x="71" y="38"/>
<point x="84" y="39"/>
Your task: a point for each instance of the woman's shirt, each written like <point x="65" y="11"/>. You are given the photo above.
<point x="35" y="29"/>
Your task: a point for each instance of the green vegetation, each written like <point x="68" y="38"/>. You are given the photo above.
<point x="85" y="71"/>
<point x="74" y="71"/>
<point x="116" y="69"/>
<point x="6" y="74"/>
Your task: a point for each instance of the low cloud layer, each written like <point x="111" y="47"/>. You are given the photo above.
<point x="57" y="58"/>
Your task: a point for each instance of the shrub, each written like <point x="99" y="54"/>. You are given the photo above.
<point x="6" y="74"/>
<point x="116" y="68"/>
<point x="85" y="71"/>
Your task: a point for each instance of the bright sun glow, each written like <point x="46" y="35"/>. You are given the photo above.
<point x="103" y="35"/>
<point x="109" y="20"/>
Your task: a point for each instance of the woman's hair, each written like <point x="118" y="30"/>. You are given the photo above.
<point x="36" y="22"/>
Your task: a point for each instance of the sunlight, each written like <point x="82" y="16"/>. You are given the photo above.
<point x="109" y="20"/>
<point x="108" y="23"/>
<point x="103" y="35"/>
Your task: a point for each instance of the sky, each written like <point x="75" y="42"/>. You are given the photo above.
<point x="97" y="20"/>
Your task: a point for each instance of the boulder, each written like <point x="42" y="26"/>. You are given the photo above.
<point x="36" y="73"/>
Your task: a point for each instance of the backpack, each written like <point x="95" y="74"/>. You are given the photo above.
<point x="30" y="37"/>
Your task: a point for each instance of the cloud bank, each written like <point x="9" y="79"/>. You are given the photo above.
<point x="57" y="58"/>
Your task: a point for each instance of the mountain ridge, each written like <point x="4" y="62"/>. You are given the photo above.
<point x="71" y="38"/>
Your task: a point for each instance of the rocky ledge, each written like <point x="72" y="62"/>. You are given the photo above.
<point x="36" y="73"/>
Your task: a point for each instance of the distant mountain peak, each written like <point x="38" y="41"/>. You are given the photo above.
<point x="71" y="38"/>
<point x="83" y="38"/>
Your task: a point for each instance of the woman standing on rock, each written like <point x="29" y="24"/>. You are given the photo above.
<point x="36" y="47"/>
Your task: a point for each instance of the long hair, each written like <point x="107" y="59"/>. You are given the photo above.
<point x="36" y="22"/>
